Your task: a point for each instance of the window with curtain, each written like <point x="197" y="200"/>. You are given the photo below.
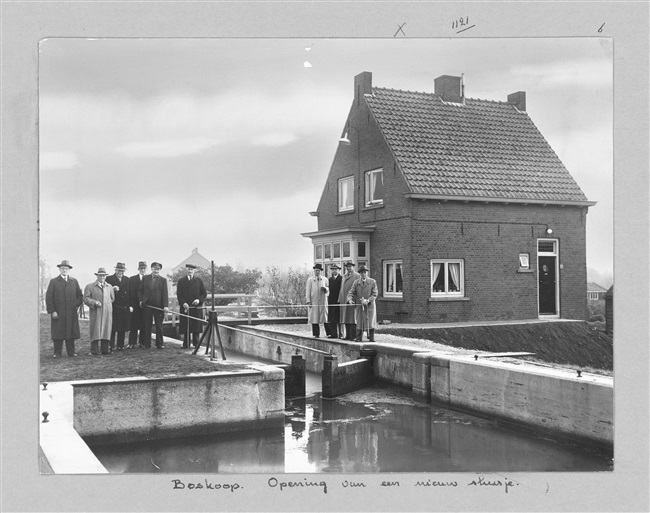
<point x="393" y="278"/>
<point x="447" y="278"/>
<point x="346" y="194"/>
<point x="374" y="187"/>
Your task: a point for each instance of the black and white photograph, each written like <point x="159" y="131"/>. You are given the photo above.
<point x="437" y="207"/>
<point x="319" y="267"/>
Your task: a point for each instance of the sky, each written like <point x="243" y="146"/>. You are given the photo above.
<point x="152" y="147"/>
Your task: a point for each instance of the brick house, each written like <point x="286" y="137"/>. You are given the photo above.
<point x="459" y="207"/>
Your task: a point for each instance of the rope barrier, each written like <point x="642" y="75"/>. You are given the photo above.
<point x="178" y="313"/>
<point x="276" y="306"/>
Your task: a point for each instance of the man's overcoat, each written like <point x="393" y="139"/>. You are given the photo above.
<point x="187" y="291"/>
<point x="101" y="317"/>
<point x="137" y="319"/>
<point x="64" y="298"/>
<point x="334" y="311"/>
<point x="121" y="316"/>
<point x="347" y="311"/>
<point x="365" y="316"/>
<point x="318" y="299"/>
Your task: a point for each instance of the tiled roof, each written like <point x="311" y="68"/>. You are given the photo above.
<point x="481" y="149"/>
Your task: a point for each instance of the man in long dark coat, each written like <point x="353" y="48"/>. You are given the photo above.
<point x="121" y="306"/>
<point x="154" y="299"/>
<point x="191" y="294"/>
<point x="62" y="299"/>
<point x="333" y="309"/>
<point x="137" y="317"/>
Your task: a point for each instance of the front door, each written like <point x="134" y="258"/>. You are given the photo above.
<point x="547" y="285"/>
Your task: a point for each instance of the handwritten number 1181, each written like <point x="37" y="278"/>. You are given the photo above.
<point x="461" y="22"/>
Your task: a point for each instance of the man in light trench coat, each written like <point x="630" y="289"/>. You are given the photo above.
<point x="99" y="297"/>
<point x="347" y="311"/>
<point x="317" y="290"/>
<point x="363" y="294"/>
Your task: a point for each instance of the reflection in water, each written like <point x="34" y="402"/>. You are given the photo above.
<point x="378" y="430"/>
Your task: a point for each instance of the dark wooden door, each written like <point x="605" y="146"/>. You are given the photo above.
<point x="547" y="285"/>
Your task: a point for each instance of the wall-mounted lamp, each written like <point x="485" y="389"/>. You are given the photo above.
<point x="344" y="139"/>
<point x="549" y="231"/>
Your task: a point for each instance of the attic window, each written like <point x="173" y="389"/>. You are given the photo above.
<point x="346" y="196"/>
<point x="374" y="187"/>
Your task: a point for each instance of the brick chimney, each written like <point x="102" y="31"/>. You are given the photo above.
<point x="518" y="99"/>
<point x="362" y="85"/>
<point x="449" y="88"/>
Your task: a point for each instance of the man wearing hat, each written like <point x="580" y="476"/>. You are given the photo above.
<point x="62" y="299"/>
<point x="347" y="311"/>
<point x="154" y="300"/>
<point x="121" y="305"/>
<point x="99" y="297"/>
<point x="363" y="294"/>
<point x="333" y="309"/>
<point x="191" y="294"/>
<point x="137" y="317"/>
<point x="317" y="290"/>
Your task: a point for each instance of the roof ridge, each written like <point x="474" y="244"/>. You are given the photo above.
<point x="436" y="95"/>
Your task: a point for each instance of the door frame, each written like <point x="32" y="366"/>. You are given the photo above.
<point x="556" y="254"/>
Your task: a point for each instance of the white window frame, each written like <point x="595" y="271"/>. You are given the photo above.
<point x="370" y="179"/>
<point x="524" y="261"/>
<point x="343" y="182"/>
<point x="353" y="245"/>
<point x="390" y="270"/>
<point x="445" y="268"/>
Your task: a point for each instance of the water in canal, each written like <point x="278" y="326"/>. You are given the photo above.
<point x="374" y="430"/>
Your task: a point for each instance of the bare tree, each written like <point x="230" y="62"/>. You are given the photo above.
<point x="285" y="288"/>
<point x="44" y="276"/>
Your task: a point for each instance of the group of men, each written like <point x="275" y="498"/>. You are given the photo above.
<point x="342" y="302"/>
<point x="118" y="304"/>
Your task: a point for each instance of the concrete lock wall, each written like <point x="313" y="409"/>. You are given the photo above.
<point x="557" y="400"/>
<point x="107" y="411"/>
<point x="251" y="344"/>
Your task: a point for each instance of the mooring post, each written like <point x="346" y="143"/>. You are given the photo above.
<point x="330" y="364"/>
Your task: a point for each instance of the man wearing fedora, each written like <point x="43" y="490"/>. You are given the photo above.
<point x="317" y="290"/>
<point x="99" y="297"/>
<point x="347" y="311"/>
<point x="333" y="309"/>
<point x="154" y="300"/>
<point x="62" y="299"/>
<point x="121" y="306"/>
<point x="363" y="294"/>
<point x="137" y="316"/>
<point x="191" y="294"/>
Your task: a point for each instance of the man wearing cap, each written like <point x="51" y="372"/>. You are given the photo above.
<point x="363" y="294"/>
<point x="62" y="299"/>
<point x="154" y="300"/>
<point x="333" y="309"/>
<point x="317" y="290"/>
<point x="347" y="311"/>
<point x="137" y="317"/>
<point x="191" y="294"/>
<point x="99" y="297"/>
<point x="121" y="305"/>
